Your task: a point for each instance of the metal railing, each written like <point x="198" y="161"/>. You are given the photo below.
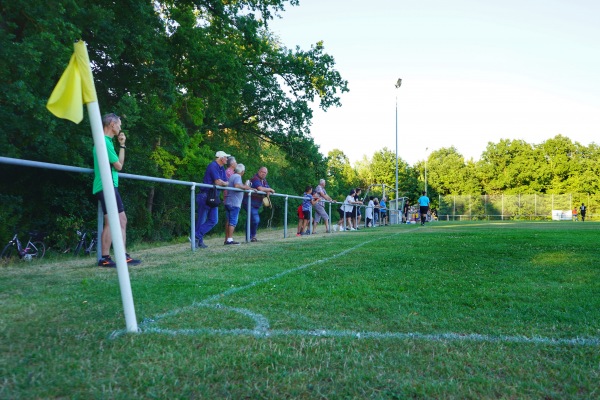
<point x="192" y="185"/>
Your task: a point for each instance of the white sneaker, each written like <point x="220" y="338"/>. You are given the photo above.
<point x="352" y="229"/>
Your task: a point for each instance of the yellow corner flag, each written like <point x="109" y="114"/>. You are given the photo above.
<point x="75" y="87"/>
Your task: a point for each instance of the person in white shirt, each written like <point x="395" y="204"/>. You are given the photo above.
<point x="348" y="208"/>
<point x="369" y="212"/>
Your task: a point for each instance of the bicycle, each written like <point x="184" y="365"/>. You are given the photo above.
<point x="87" y="242"/>
<point x="34" y="249"/>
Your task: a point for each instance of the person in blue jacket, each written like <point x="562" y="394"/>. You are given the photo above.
<point x="423" y="207"/>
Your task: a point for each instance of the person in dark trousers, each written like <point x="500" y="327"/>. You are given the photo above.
<point x="357" y="203"/>
<point x="208" y="216"/>
<point x="258" y="182"/>
<point x="423" y="207"/>
<point x="582" y="211"/>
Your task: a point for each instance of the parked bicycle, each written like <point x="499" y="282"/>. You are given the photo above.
<point x="33" y="249"/>
<point x="87" y="242"/>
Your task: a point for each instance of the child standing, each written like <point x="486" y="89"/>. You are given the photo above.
<point x="307" y="203"/>
<point x="300" y="221"/>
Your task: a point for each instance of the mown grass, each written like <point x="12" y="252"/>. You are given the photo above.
<point x="453" y="310"/>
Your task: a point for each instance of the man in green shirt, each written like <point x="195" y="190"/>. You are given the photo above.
<point x="111" y="124"/>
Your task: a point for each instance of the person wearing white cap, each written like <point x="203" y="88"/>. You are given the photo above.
<point x="208" y="217"/>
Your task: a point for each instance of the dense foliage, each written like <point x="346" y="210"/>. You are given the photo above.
<point x="188" y="77"/>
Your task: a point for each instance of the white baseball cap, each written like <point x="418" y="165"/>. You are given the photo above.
<point x="220" y="154"/>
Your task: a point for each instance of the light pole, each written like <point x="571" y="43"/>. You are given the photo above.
<point x="426" y="148"/>
<point x="398" y="83"/>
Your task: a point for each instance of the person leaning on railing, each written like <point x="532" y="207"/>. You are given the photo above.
<point x="348" y="208"/>
<point x="233" y="202"/>
<point x="208" y="216"/>
<point x="258" y="182"/>
<point x="320" y="212"/>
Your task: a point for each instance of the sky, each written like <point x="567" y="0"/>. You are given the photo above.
<point x="473" y="72"/>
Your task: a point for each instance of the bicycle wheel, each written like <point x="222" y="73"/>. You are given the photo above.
<point x="35" y="249"/>
<point x="9" y="252"/>
<point x="91" y="247"/>
<point x="79" y="246"/>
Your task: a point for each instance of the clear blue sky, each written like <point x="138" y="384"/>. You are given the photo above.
<point x="472" y="72"/>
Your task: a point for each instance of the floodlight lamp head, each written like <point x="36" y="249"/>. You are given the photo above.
<point x="398" y="83"/>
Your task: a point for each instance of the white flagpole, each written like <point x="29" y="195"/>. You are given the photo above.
<point x="75" y="88"/>
<point x="113" y="216"/>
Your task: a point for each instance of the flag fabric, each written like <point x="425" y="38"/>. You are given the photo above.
<point x="75" y="87"/>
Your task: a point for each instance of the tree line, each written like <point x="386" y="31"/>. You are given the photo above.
<point x="555" y="166"/>
<point x="188" y="78"/>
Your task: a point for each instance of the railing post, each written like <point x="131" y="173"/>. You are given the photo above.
<point x="454" y="208"/>
<point x="99" y="229"/>
<point x="285" y="217"/>
<point x="249" y="214"/>
<point x="192" y="216"/>
<point x="330" y="219"/>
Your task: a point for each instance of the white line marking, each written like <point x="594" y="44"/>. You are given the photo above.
<point x="262" y="326"/>
<point x="381" y="335"/>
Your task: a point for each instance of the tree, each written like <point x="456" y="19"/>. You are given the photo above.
<point x="558" y="163"/>
<point x="341" y="177"/>
<point x="188" y="77"/>
<point x="508" y="167"/>
<point x="445" y="171"/>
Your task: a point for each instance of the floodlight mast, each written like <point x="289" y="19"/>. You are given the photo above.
<point x="398" y="84"/>
<point x="426" y="157"/>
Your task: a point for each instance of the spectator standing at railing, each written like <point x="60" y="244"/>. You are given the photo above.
<point x="300" y="220"/>
<point x="383" y="211"/>
<point x="582" y="211"/>
<point x="340" y="224"/>
<point x="320" y="212"/>
<point x="369" y="215"/>
<point x="357" y="203"/>
<point x="258" y="182"/>
<point x="307" y="204"/>
<point x="233" y="202"/>
<point x="348" y="208"/>
<point x="111" y="123"/>
<point x="231" y="164"/>
<point x="207" y="216"/>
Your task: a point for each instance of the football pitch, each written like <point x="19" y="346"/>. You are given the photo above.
<point x="450" y="310"/>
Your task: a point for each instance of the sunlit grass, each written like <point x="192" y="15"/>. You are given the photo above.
<point x="465" y="310"/>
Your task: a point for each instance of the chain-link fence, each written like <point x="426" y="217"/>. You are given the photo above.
<point x="516" y="206"/>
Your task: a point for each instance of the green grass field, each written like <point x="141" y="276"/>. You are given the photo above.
<point x="451" y="310"/>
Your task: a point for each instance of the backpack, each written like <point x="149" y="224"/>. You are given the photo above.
<point x="213" y="198"/>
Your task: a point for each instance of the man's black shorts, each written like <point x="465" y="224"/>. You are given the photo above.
<point x="120" y="207"/>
